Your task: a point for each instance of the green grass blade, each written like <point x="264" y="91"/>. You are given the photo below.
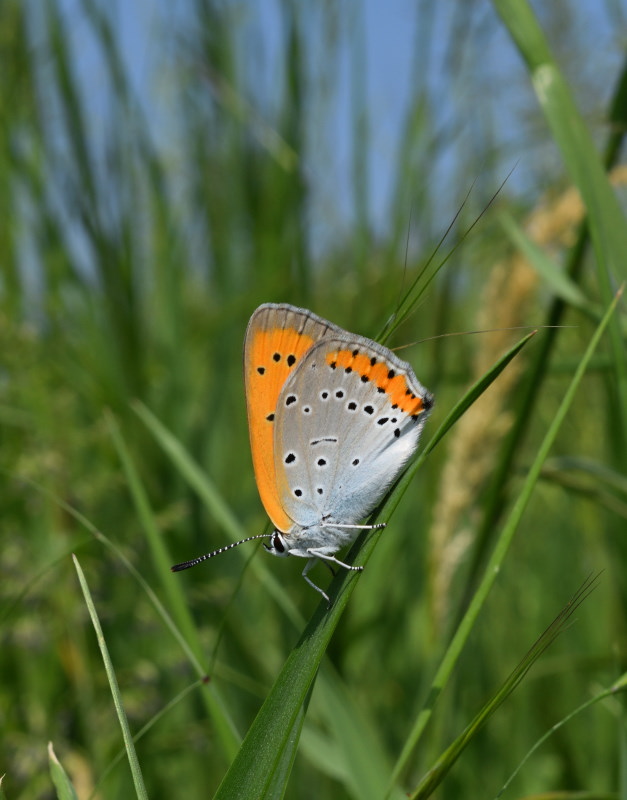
<point x="224" y="726"/>
<point x="606" y="220"/>
<point x="146" y="515"/>
<point x="138" y="779"/>
<point x="159" y="607"/>
<point x="354" y="740"/>
<point x="555" y="278"/>
<point x="227" y="735"/>
<point x="192" y="473"/>
<point x="619" y="686"/>
<point x="473" y="393"/>
<point x="280" y="777"/>
<point x="591" y="479"/>
<point x="535" y="375"/>
<point x="205" y="488"/>
<point x="62" y="783"/>
<point x="440" y="769"/>
<point x="612" y="480"/>
<point x="255" y="771"/>
<point x="260" y="756"/>
<point x="495" y="562"/>
<point x="569" y="131"/>
<point x="216" y="506"/>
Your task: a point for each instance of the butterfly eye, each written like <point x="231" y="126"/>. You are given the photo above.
<point x="277" y="543"/>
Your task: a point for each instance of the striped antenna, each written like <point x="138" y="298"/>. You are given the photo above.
<point x="194" y="561"/>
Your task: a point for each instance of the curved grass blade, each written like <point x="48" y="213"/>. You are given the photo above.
<point x="475" y="391"/>
<point x="495" y="562"/>
<point x="138" y="779"/>
<point x="208" y="492"/>
<point x="62" y="783"/>
<point x="227" y="735"/>
<point x="619" y="686"/>
<point x="557" y="280"/>
<point x="612" y="480"/>
<point x="608" y="230"/>
<point x="224" y="725"/>
<point x="159" y="607"/>
<point x="222" y="514"/>
<point x="436" y="774"/>
<point x="252" y="774"/>
<point x="591" y="479"/>
<point x="495" y="497"/>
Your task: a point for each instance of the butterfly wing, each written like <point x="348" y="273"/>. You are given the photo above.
<point x="277" y="337"/>
<point x="347" y="420"/>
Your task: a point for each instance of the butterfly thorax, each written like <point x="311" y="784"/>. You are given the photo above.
<point x="323" y="537"/>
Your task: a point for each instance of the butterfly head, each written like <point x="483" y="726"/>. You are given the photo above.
<point x="278" y="546"/>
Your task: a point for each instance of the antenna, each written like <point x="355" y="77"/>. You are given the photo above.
<point x="194" y="561"/>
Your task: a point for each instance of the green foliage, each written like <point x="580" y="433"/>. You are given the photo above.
<point x="130" y="261"/>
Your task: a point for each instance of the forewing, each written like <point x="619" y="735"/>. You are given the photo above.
<point x="277" y="337"/>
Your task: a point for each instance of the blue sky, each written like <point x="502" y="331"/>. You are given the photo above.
<point x="467" y="70"/>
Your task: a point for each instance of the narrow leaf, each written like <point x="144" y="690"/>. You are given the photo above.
<point x="62" y="783"/>
<point x="444" y="763"/>
<point x="495" y="562"/>
<point x="138" y="779"/>
<point x="225" y="728"/>
<point x="558" y="281"/>
<point x="259" y="759"/>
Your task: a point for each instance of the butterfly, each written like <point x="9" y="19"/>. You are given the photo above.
<point x="333" y="418"/>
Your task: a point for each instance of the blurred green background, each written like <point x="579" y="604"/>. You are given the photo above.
<point x="164" y="171"/>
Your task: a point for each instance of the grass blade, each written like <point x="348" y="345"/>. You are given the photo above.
<point x="496" y="560"/>
<point x="440" y="769"/>
<point x="259" y="758"/>
<point x="619" y="686"/>
<point x="475" y="391"/>
<point x="138" y="779"/>
<point x="556" y="279"/>
<point x="222" y="514"/>
<point x="606" y="220"/>
<point x="535" y="377"/>
<point x="62" y="783"/>
<point x="227" y="734"/>
<point x="292" y="726"/>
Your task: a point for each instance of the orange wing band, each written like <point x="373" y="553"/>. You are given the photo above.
<point x="271" y="356"/>
<point x="392" y="382"/>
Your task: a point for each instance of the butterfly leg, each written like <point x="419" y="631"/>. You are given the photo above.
<point x="315" y="555"/>
<point x="333" y="559"/>
<point x="375" y="527"/>
<point x="308" y="566"/>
